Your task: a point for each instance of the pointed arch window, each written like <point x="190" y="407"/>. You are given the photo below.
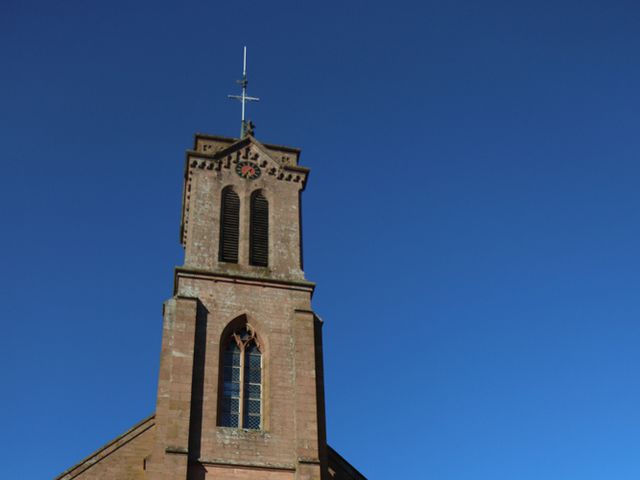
<point x="259" y="230"/>
<point x="229" y="225"/>
<point x="241" y="399"/>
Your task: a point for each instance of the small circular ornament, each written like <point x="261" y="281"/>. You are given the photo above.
<point x="248" y="170"/>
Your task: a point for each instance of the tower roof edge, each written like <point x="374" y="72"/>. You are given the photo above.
<point x="218" y="142"/>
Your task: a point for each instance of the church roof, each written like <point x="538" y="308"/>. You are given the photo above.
<point x="108" y="449"/>
<point x="339" y="468"/>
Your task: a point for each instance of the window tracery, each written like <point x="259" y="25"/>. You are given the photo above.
<point x="241" y="399"/>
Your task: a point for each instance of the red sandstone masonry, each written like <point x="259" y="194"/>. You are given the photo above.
<point x="185" y="441"/>
<point x="123" y="458"/>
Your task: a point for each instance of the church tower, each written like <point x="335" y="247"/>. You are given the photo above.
<point x="240" y="390"/>
<point x="241" y="381"/>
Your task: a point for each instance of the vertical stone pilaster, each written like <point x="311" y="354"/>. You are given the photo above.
<point x="321" y="418"/>
<point x="170" y="456"/>
<point x="308" y="404"/>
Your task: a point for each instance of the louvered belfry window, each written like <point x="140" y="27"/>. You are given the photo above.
<point x="241" y="399"/>
<point x="229" y="225"/>
<point x="259" y="230"/>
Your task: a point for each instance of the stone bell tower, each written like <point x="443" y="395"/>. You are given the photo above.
<point x="241" y="384"/>
<point x="240" y="393"/>
<point x="240" y="390"/>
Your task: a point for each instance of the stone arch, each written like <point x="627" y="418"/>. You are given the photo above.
<point x="242" y="379"/>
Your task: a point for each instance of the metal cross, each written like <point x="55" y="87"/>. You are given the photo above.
<point x="244" y="98"/>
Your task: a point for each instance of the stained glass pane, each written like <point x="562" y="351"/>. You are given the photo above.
<point x="252" y="387"/>
<point x="253" y="390"/>
<point x="231" y="374"/>
<point x="225" y="420"/>
<point x="252" y="422"/>
<point x="231" y="405"/>
<point x="255" y="360"/>
<point x="230" y="400"/>
<point x="229" y="420"/>
<point x="232" y="358"/>
<point x="234" y="420"/>
<point x="253" y="375"/>
<point x="253" y="406"/>
<point x="231" y="389"/>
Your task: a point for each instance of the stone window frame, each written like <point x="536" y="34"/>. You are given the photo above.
<point x="228" y="334"/>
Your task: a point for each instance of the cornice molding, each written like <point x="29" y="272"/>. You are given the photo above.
<point x="225" y="160"/>
<point x="252" y="465"/>
<point x="187" y="272"/>
<point x="231" y="141"/>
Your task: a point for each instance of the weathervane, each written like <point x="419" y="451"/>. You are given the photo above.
<point x="247" y="126"/>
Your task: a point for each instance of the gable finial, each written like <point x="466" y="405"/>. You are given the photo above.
<point x="246" y="128"/>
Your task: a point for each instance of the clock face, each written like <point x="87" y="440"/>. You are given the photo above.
<point x="248" y="170"/>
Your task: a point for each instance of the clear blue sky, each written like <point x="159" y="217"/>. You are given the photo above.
<point x="472" y="220"/>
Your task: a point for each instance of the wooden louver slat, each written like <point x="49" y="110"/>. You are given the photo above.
<point x="259" y="230"/>
<point x="229" y="226"/>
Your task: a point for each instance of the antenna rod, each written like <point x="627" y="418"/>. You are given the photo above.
<point x="244" y="63"/>
<point x="244" y="98"/>
<point x="244" y="83"/>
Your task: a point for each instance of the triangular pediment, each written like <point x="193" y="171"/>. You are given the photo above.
<point x="274" y="161"/>
<point x="213" y="145"/>
<point x="250" y="149"/>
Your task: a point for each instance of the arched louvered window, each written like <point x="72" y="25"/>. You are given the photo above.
<point x="241" y="399"/>
<point x="259" y="230"/>
<point x="229" y="225"/>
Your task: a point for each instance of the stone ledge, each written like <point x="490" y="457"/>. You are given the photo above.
<point x="254" y="465"/>
<point x="176" y="450"/>
<point x="186" y="272"/>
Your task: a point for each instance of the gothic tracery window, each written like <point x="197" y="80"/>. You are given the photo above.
<point x="229" y="225"/>
<point x="241" y="399"/>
